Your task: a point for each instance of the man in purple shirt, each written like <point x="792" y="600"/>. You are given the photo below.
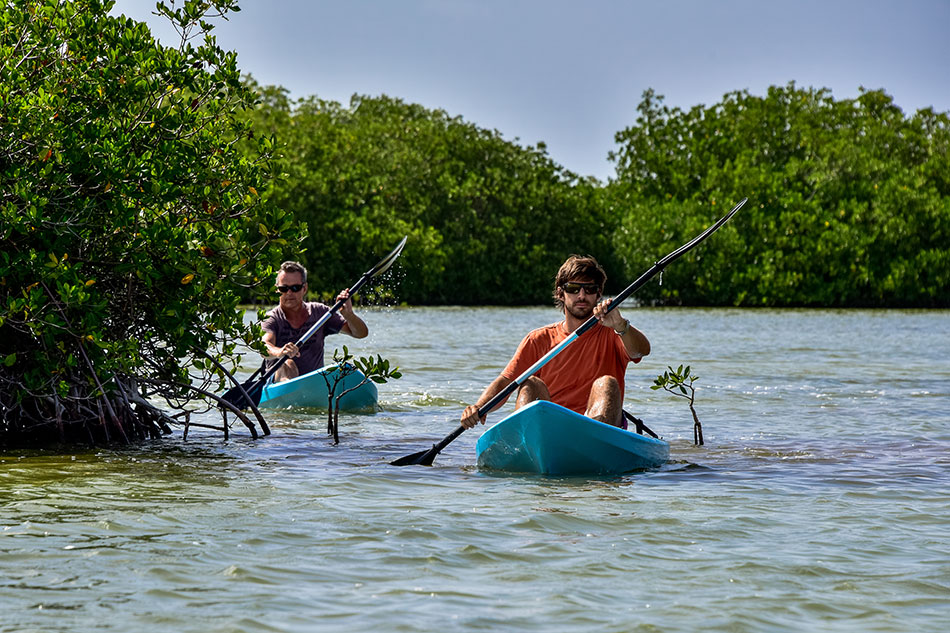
<point x="291" y="319"/>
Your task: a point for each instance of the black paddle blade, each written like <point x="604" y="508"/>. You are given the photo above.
<point x="425" y="458"/>
<point x="389" y="260"/>
<point x="235" y="395"/>
<point x="422" y="458"/>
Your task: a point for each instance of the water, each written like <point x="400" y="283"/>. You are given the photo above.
<point x="820" y="501"/>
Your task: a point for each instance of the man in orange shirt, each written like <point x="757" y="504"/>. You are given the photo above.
<point x="587" y="376"/>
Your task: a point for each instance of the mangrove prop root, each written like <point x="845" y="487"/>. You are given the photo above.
<point x="237" y="383"/>
<point x="115" y="411"/>
<point x="697" y="428"/>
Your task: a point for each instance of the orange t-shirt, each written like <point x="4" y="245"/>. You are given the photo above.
<point x="570" y="375"/>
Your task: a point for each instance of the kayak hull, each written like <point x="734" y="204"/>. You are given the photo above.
<point x="310" y="391"/>
<point x="548" y="439"/>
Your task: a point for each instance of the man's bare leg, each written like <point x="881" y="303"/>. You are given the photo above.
<point x="532" y="389"/>
<point x="604" y="403"/>
<point x="287" y="371"/>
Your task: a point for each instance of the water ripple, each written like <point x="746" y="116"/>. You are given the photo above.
<point x="819" y="502"/>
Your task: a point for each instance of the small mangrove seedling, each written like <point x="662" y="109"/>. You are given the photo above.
<point x="376" y="369"/>
<point x="679" y="382"/>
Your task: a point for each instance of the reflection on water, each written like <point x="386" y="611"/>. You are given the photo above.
<point x="819" y="502"/>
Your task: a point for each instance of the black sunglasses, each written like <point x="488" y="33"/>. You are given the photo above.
<point x="573" y="287"/>
<point x="292" y="288"/>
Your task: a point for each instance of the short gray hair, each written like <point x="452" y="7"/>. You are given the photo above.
<point x="294" y="267"/>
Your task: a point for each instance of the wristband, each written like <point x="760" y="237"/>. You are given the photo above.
<point x="626" y="326"/>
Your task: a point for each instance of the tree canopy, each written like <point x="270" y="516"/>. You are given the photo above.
<point x="489" y="221"/>
<point x="131" y="218"/>
<point x="849" y="199"/>
<point x="147" y="190"/>
<point x="848" y="202"/>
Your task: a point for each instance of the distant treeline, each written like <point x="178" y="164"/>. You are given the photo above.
<point x="849" y="201"/>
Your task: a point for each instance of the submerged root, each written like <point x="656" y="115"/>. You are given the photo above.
<point x="118" y="412"/>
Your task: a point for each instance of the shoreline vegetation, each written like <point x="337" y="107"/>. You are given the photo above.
<point x="849" y="200"/>
<point x="147" y="191"/>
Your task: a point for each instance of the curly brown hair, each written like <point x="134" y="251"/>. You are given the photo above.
<point x="578" y="266"/>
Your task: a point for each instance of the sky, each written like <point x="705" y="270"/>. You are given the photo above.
<point x="570" y="73"/>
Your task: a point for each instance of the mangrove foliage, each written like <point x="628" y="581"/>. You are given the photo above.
<point x="130" y="219"/>
<point x="849" y="200"/>
<point x="146" y="191"/>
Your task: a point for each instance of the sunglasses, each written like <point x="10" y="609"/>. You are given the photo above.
<point x="573" y="287"/>
<point x="293" y="288"/>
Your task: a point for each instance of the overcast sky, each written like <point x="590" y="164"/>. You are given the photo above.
<point x="571" y="72"/>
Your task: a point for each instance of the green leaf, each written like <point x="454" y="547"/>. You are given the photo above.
<point x="10" y="359"/>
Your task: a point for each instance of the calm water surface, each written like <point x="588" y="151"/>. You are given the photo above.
<point x="821" y="501"/>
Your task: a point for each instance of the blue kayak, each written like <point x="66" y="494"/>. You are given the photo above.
<point x="310" y="390"/>
<point x="548" y="439"/>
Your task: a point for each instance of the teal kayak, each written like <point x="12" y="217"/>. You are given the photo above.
<point x="548" y="439"/>
<point x="310" y="391"/>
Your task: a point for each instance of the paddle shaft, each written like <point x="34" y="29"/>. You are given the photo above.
<point x="315" y="327"/>
<point x="426" y="457"/>
<point x="255" y="390"/>
<point x="502" y="395"/>
<point x="614" y="303"/>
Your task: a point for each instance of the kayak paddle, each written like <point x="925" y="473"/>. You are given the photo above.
<point x="236" y="395"/>
<point x="425" y="458"/>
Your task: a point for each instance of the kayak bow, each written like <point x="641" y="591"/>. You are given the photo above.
<point x="310" y="391"/>
<point x="548" y="439"/>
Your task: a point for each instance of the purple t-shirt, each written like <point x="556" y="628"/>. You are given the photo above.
<point x="311" y="354"/>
